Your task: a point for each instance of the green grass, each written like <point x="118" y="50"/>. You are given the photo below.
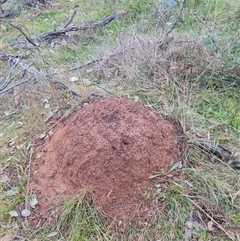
<point x="221" y="107"/>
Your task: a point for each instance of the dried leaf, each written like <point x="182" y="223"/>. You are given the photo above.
<point x="11" y="192"/>
<point x="49" y="116"/>
<point x="4" y="178"/>
<point x="154" y="176"/>
<point x="136" y="98"/>
<point x="33" y="201"/>
<point x="86" y="82"/>
<point x="188" y="183"/>
<point x="52" y="234"/>
<point x="13" y="213"/>
<point x="26" y="212"/>
<point x="73" y="79"/>
<point x="42" y="136"/>
<point x="7" y="113"/>
<point x="210" y="226"/>
<point x="174" y="166"/>
<point x="53" y="212"/>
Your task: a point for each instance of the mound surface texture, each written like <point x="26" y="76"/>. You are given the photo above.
<point x="110" y="148"/>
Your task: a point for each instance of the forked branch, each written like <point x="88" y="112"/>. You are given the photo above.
<point x="48" y="37"/>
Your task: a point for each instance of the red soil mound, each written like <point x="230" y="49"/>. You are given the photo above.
<point x="110" y="147"/>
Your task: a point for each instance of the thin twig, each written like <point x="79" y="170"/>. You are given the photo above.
<point x="215" y="149"/>
<point x="176" y="21"/>
<point x="31" y="69"/>
<point x="101" y="87"/>
<point x="86" y="64"/>
<point x="91" y="62"/>
<point x="76" y="67"/>
<point x="28" y="39"/>
<point x="20" y="83"/>
<point x="5" y="82"/>
<point x="16" y="60"/>
<point x="29" y="174"/>
<point x="70" y="19"/>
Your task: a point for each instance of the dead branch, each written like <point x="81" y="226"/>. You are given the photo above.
<point x="5" y="81"/>
<point x="21" y="31"/>
<point x="221" y="152"/>
<point x="1" y="3"/>
<point x="177" y="20"/>
<point x="16" y="60"/>
<point x="18" y="84"/>
<point x="215" y="149"/>
<point x="36" y="74"/>
<point x="48" y="37"/>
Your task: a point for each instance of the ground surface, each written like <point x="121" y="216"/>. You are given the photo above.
<point x="179" y="58"/>
<point x="110" y="147"/>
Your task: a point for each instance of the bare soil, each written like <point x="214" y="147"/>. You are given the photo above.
<point x="109" y="148"/>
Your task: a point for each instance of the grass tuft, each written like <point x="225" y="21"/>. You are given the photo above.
<point x="81" y="221"/>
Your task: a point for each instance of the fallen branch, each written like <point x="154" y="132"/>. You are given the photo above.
<point x="21" y="31"/>
<point x="17" y="61"/>
<point x="37" y="74"/>
<point x="1" y="3"/>
<point x="220" y="152"/>
<point x="216" y="149"/>
<point x="18" y="84"/>
<point x="48" y="37"/>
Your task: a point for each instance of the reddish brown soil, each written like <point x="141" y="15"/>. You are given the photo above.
<point x="110" y="147"/>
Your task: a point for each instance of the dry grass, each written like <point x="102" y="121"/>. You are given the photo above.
<point x="147" y="61"/>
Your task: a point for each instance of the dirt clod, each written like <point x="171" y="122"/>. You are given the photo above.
<point x="109" y="147"/>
